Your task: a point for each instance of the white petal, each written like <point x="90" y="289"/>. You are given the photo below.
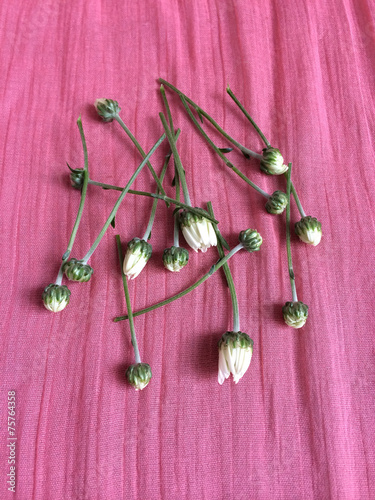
<point x="223" y="368"/>
<point x="190" y="239"/>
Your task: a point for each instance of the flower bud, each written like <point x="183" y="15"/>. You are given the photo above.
<point x="197" y="230"/>
<point x="56" y="297"/>
<point x="295" y="314"/>
<point x="309" y="230"/>
<point x="107" y="109"/>
<point x="272" y="162"/>
<point x="136" y="257"/>
<point x="235" y="352"/>
<point x="277" y="203"/>
<point x="251" y="240"/>
<point x="175" y="258"/>
<point x="76" y="177"/>
<point x="77" y="271"/>
<point x="139" y="375"/>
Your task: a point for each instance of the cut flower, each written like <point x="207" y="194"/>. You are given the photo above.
<point x="235" y="352"/>
<point x="198" y="231"/>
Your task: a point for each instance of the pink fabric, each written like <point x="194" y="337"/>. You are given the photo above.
<point x="300" y="424"/>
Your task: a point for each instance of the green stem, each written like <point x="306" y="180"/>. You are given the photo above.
<point x="201" y="113"/>
<point x="121" y="197"/>
<point x="176" y="225"/>
<point x="60" y="274"/>
<point x="155" y="203"/>
<point x="228" y="276"/>
<point x="299" y="205"/>
<point x="139" y="147"/>
<point x="83" y="193"/>
<point x="288" y="245"/>
<point x="248" y="117"/>
<point x="217" y="150"/>
<point x="176" y="157"/>
<point x="168" y="109"/>
<point x="128" y="303"/>
<point x="196" y="210"/>
<point x="213" y="269"/>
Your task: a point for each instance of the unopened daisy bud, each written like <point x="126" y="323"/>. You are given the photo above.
<point x="137" y="255"/>
<point x="251" y="240"/>
<point x="175" y="258"/>
<point x="235" y="352"/>
<point x="107" y="109"/>
<point x="56" y="297"/>
<point x="309" y="230"/>
<point x="76" y="270"/>
<point x="277" y="203"/>
<point x="272" y="162"/>
<point x="197" y="230"/>
<point x="139" y="375"/>
<point x="77" y="177"/>
<point x="295" y="314"/>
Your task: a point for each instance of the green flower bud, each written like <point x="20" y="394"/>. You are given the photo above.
<point x="277" y="203"/>
<point x="77" y="271"/>
<point x="295" y="314"/>
<point x="139" y="375"/>
<point x="175" y="258"/>
<point x="251" y="240"/>
<point x="309" y="230"/>
<point x="137" y="256"/>
<point x="56" y="297"/>
<point x="76" y="178"/>
<point x="197" y="230"/>
<point x="107" y="109"/>
<point x="235" y="353"/>
<point x="272" y="162"/>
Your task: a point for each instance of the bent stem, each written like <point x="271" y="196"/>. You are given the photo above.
<point x="228" y="276"/>
<point x="83" y="193"/>
<point x="139" y="147"/>
<point x="128" y="303"/>
<point x="213" y="269"/>
<point x="121" y="197"/>
<point x="288" y="246"/>
<point x="248" y="117"/>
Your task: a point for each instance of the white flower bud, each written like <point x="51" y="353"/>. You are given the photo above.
<point x="139" y="375"/>
<point x="309" y="230"/>
<point x="56" y="297"/>
<point x="198" y="231"/>
<point x="235" y="353"/>
<point x="272" y="162"/>
<point x="137" y="256"/>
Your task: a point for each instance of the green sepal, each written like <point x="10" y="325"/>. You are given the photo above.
<point x="251" y="240"/>
<point x="75" y="270"/>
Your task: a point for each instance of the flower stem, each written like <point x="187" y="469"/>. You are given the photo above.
<point x="228" y="276"/>
<point x="168" y="109"/>
<point x="248" y="117"/>
<point x="139" y="147"/>
<point x="176" y="226"/>
<point x="121" y="197"/>
<point x="147" y="234"/>
<point x="222" y="156"/>
<point x="213" y="269"/>
<point x="201" y="113"/>
<point x="288" y="246"/>
<point x="60" y="274"/>
<point x="299" y="205"/>
<point x="83" y="193"/>
<point x="176" y="157"/>
<point x="196" y="210"/>
<point x="128" y="303"/>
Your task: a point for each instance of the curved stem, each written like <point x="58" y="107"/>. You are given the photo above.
<point x="83" y="193"/>
<point x="217" y="150"/>
<point x="146" y="236"/>
<point x="139" y="147"/>
<point x="201" y="113"/>
<point x="121" y="197"/>
<point x="288" y="246"/>
<point x="60" y="274"/>
<point x="176" y="157"/>
<point x="128" y="303"/>
<point x="248" y="117"/>
<point x="228" y="276"/>
<point x="213" y="269"/>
